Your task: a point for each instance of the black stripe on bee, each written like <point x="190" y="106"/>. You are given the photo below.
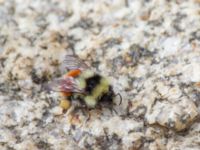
<point x="92" y="82"/>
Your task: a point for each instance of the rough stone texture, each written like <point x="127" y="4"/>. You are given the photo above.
<point x="149" y="49"/>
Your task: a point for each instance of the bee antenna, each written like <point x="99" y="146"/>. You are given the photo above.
<point x="118" y="94"/>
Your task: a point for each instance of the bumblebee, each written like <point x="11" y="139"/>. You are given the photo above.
<point x="82" y="83"/>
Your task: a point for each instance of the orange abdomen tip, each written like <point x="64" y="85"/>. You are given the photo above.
<point x="65" y="94"/>
<point x="73" y="73"/>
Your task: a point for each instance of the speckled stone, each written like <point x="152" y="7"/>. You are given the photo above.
<point x="149" y="50"/>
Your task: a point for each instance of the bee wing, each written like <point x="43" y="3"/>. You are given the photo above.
<point x="67" y="84"/>
<point x="72" y="62"/>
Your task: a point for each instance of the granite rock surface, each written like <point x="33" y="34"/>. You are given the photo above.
<point x="150" y="51"/>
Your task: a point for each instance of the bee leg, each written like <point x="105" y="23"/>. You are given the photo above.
<point x="113" y="110"/>
<point x="70" y="110"/>
<point x="70" y="113"/>
<point x="110" y="107"/>
<point x="88" y="115"/>
<point x="84" y="110"/>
